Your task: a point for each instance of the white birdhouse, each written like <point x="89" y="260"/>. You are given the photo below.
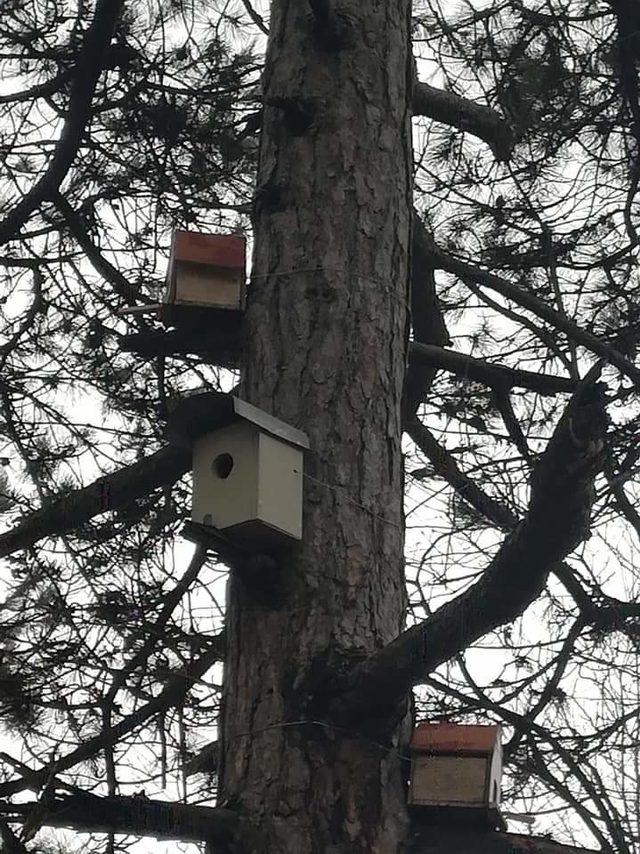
<point x="247" y="468"/>
<point x="206" y="271"/>
<point x="456" y="766"/>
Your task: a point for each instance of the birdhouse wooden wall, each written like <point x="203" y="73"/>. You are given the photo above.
<point x="248" y="481"/>
<point x="456" y="766"/>
<point x="206" y="270"/>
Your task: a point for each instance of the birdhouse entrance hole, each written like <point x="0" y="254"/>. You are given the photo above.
<point x="223" y="465"/>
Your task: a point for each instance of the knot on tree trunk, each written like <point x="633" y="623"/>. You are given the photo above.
<point x="332" y="30"/>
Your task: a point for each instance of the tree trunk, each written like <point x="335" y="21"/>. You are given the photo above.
<point x="327" y="322"/>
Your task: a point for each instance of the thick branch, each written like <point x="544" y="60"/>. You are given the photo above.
<point x="562" y="494"/>
<point x="597" y="609"/>
<point x="465" y="272"/>
<point x="466" y="115"/>
<point x="137" y="815"/>
<point x="496" y="376"/>
<point x="220" y="348"/>
<point x="86" y="74"/>
<point x="426" y="318"/>
<point x="110" y="492"/>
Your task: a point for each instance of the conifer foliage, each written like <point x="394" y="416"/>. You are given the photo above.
<point x="506" y="363"/>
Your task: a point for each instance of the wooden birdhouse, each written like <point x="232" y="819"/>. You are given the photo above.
<point x="456" y="766"/>
<point x="206" y="271"/>
<point x="203" y="301"/>
<point x="247" y="469"/>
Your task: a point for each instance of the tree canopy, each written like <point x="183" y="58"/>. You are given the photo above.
<point x="120" y="122"/>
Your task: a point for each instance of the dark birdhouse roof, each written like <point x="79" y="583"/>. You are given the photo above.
<point x="459" y="739"/>
<point x="203" y="413"/>
<point x="216" y="250"/>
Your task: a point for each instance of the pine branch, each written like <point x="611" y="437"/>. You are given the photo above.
<point x="86" y="74"/>
<point x="256" y="17"/>
<point x="465" y="272"/>
<point x="172" y="694"/>
<point x="110" y="492"/>
<point x="494" y="375"/>
<point x="427" y="319"/>
<point x="502" y="402"/>
<point x="557" y="521"/>
<point x="101" y="265"/>
<point x="478" y="119"/>
<point x="446" y="467"/>
<point x="141" y="816"/>
<point x="446" y="107"/>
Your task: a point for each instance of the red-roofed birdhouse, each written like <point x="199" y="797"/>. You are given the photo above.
<point x="206" y="271"/>
<point x="456" y="766"/>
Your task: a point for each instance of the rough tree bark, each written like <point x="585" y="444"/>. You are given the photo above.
<point x="326" y="333"/>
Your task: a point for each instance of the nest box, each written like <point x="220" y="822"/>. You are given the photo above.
<point x="247" y="468"/>
<point x="205" y="271"/>
<point x="456" y="766"/>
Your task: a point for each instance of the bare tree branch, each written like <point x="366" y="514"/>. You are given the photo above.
<point x="493" y="375"/>
<point x="427" y="320"/>
<point x="255" y="16"/>
<point x="562" y="494"/>
<point x="478" y="119"/>
<point x="465" y="272"/>
<point x="446" y="467"/>
<point x="110" y="492"/>
<point x="172" y="694"/>
<point x="86" y="74"/>
<point x="105" y="268"/>
<point x="137" y="815"/>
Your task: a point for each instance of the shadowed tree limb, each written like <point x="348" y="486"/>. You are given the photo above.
<point x="562" y="494"/>
<point x="110" y="492"/>
<point x="494" y="375"/>
<point x="477" y="119"/>
<point x="502" y="402"/>
<point x="142" y="816"/>
<point x="10" y="842"/>
<point x="465" y="272"/>
<point x="86" y="74"/>
<point x="427" y="320"/>
<point x="446" y="467"/>
<point x="255" y="16"/>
